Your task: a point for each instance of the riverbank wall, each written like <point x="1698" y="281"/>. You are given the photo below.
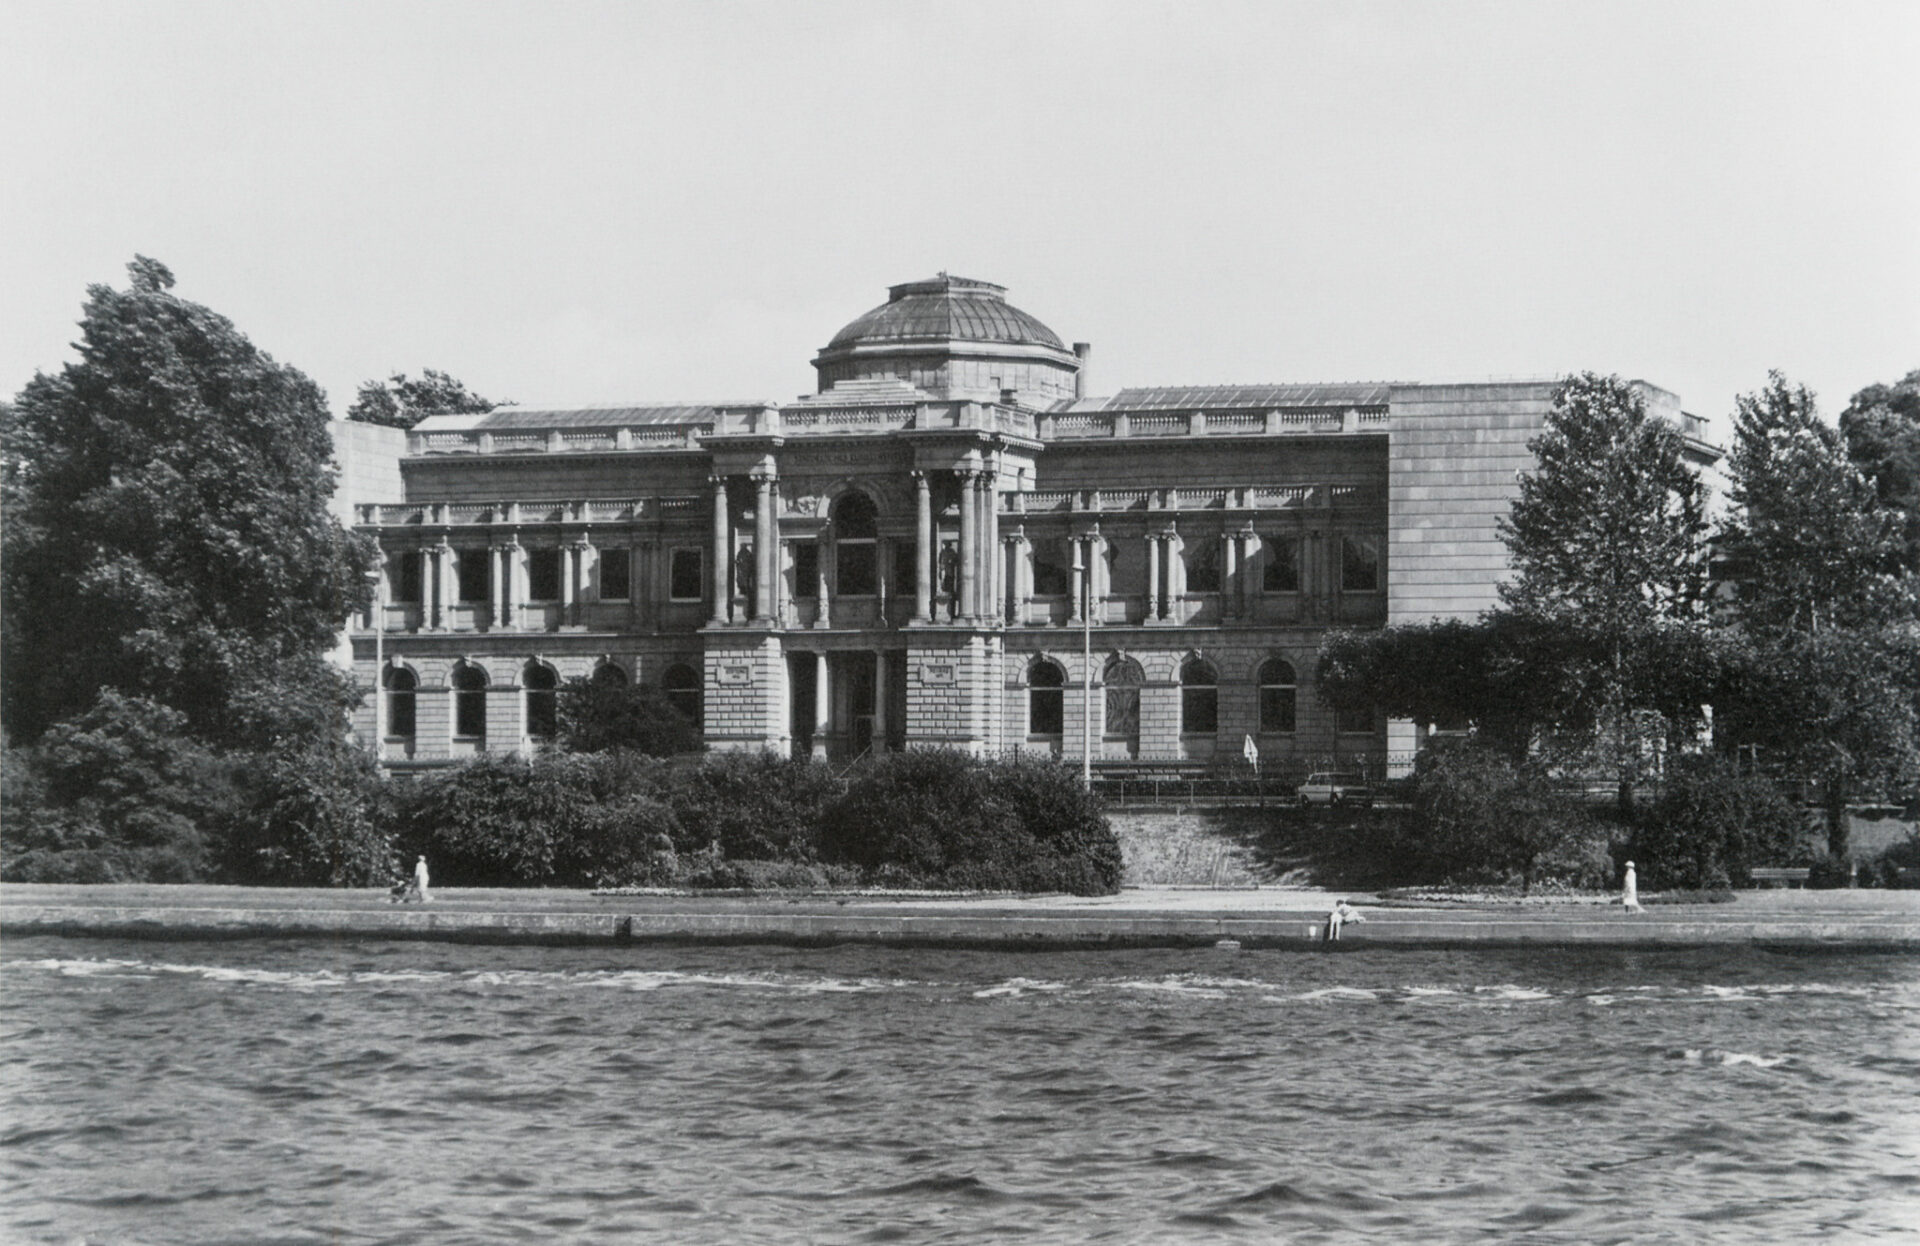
<point x="1252" y="918"/>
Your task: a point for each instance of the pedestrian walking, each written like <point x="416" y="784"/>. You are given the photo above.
<point x="420" y="879"/>
<point x="1630" y="891"/>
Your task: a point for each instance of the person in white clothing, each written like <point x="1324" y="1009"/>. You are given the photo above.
<point x="1630" y="891"/>
<point x="420" y="879"/>
<point x="1342" y="914"/>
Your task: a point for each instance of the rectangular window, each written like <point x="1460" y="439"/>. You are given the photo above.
<point x="1282" y="574"/>
<point x="1203" y="567"/>
<point x="855" y="563"/>
<point x="683" y="575"/>
<point x="475" y="577"/>
<point x="543" y="575"/>
<point x="1052" y="569"/>
<point x="616" y="574"/>
<point x="403" y="574"/>
<point x="1359" y="564"/>
<point x="806" y="569"/>
<point x="906" y="570"/>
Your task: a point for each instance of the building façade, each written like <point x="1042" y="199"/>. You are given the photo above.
<point x="941" y="547"/>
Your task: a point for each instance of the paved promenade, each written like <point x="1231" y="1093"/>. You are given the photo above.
<point x="1170" y="917"/>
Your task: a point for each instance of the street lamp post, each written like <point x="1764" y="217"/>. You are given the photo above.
<point x="379" y="672"/>
<point x="1082" y="575"/>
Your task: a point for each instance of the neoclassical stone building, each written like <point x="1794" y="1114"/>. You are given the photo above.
<point x="952" y="543"/>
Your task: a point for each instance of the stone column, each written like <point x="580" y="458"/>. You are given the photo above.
<point x="1230" y="577"/>
<point x="1249" y="586"/>
<point x="1076" y="553"/>
<point x="923" y="550"/>
<point x="516" y="583"/>
<point x="969" y="542"/>
<point x="766" y="569"/>
<point x="429" y="604"/>
<point x="822" y="593"/>
<point x="1153" y="577"/>
<point x="569" y="583"/>
<point x="1023" y="574"/>
<point x="822" y="705"/>
<point x="880" y="701"/>
<point x="720" y="565"/>
<point x="1099" y="582"/>
<point x="989" y="545"/>
<point x="1176" y="573"/>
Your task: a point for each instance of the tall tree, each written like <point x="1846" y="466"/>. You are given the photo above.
<point x="166" y="526"/>
<point x="1808" y="545"/>
<point x="1826" y="677"/>
<point x="1882" y="428"/>
<point x="401" y="401"/>
<point x="1608" y="535"/>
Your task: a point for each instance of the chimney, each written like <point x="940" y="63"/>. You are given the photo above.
<point x="1081" y="351"/>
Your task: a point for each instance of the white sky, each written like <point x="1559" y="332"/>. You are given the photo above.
<point x="595" y="202"/>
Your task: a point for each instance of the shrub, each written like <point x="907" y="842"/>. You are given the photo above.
<point x="601" y="717"/>
<point x="1711" y="825"/>
<point x="119" y="793"/>
<point x="753" y="806"/>
<point x="1479" y="816"/>
<point x="311" y="819"/>
<point x="940" y="818"/>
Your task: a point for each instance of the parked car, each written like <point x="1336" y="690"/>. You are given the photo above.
<point x="1334" y="788"/>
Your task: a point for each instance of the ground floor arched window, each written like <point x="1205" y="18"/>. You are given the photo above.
<point x="469" y="701"/>
<point x="1199" y="698"/>
<point x="1279" y="691"/>
<point x="541" y="688"/>
<point x="1124" y="679"/>
<point x="399" y="684"/>
<point x="1046" y="699"/>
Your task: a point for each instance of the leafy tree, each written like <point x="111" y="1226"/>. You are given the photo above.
<point x="1609" y="535"/>
<point x="1478" y="813"/>
<point x="401" y="401"/>
<point x="753" y="806"/>
<point x="1882" y="428"/>
<point x="1826" y="678"/>
<point x="594" y="717"/>
<point x="166" y="523"/>
<point x="312" y="818"/>
<point x="1809" y="546"/>
<point x="119" y="793"/>
<point x="1712" y="825"/>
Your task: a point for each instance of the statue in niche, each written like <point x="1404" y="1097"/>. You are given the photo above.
<point x="743" y="572"/>
<point x="950" y="576"/>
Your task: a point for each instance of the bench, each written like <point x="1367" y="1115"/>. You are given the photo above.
<point x="1785" y="876"/>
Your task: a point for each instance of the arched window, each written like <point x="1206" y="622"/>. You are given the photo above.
<point x="543" y="708"/>
<point x="1278" y="690"/>
<point x="1123" y="679"/>
<point x="469" y="702"/>
<point x="855" y="534"/>
<point x="607" y="675"/>
<point x="400" y="684"/>
<point x="682" y="686"/>
<point x="1199" y="698"/>
<point x="1046" y="699"/>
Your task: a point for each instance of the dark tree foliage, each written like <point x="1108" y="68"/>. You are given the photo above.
<point x="1481" y="816"/>
<point x="753" y="806"/>
<point x="553" y="820"/>
<point x="1840" y="707"/>
<point x="120" y="793"/>
<point x="1711" y="825"/>
<point x="597" y="717"/>
<point x="313" y="818"/>
<point x="166" y="524"/>
<point x="1611" y="525"/>
<point x="1609" y="534"/>
<point x="1513" y="676"/>
<point x="1882" y="428"/>
<point x="943" y="819"/>
<point x="401" y="401"/>
<point x="1809" y="545"/>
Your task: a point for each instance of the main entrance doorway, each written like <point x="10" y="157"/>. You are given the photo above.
<point x="847" y="704"/>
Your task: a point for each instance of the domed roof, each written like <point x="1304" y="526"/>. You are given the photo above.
<point x="946" y="309"/>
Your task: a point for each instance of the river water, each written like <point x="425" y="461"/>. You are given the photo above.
<point x="319" y="1093"/>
